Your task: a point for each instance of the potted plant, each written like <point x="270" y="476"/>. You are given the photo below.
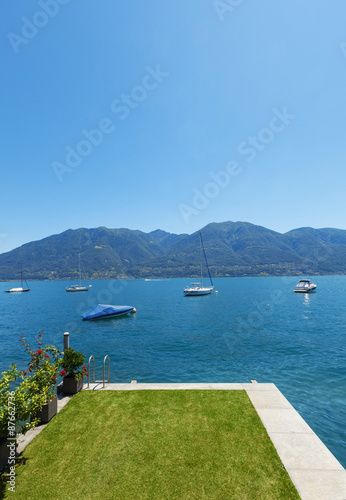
<point x="73" y="371"/>
<point x="42" y="373"/>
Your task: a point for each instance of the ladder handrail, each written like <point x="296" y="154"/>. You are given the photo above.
<point x="89" y="370"/>
<point x="104" y="362"/>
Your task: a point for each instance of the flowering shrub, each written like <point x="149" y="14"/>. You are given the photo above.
<point x="73" y="364"/>
<point x="18" y="401"/>
<point x="44" y="366"/>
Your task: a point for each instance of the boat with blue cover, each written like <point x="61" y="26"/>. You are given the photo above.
<point x="102" y="311"/>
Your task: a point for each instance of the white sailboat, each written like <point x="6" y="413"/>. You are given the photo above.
<point x="19" y="289"/>
<point x="80" y="287"/>
<point x="198" y="288"/>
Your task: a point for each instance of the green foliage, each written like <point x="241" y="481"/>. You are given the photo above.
<point x="73" y="363"/>
<point x="18" y="401"/>
<point x="23" y="393"/>
<point x="7" y="380"/>
<point x="44" y="365"/>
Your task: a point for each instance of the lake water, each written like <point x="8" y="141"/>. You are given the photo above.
<point x="253" y="329"/>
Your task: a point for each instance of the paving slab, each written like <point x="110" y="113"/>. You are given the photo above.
<point x="163" y="386"/>
<point x="320" y="485"/>
<point x="314" y="470"/>
<point x="303" y="451"/>
<point x="268" y="399"/>
<point x="286" y="418"/>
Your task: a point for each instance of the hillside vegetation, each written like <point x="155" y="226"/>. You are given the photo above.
<point x="232" y="249"/>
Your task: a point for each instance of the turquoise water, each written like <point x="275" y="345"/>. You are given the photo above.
<point x="254" y="328"/>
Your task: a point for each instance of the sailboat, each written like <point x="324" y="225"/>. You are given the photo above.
<point x="80" y="287"/>
<point x="198" y="288"/>
<point x="20" y="289"/>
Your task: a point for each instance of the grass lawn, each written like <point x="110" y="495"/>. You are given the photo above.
<point x="193" y="444"/>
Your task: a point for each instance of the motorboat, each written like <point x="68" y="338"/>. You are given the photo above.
<point x="80" y="287"/>
<point x="102" y="311"/>
<point x="21" y="288"/>
<point x="305" y="286"/>
<point x="198" y="288"/>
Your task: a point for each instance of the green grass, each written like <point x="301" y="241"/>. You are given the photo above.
<point x="153" y="445"/>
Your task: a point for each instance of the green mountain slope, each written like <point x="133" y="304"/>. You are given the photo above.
<point x="232" y="248"/>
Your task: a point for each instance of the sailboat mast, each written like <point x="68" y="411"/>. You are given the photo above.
<point x="200" y="257"/>
<point x="80" y="276"/>
<point x="211" y="281"/>
<point x="21" y="276"/>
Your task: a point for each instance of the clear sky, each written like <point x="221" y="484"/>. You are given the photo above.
<point x="171" y="114"/>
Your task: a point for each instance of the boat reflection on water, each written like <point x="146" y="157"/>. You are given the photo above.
<point x="307" y="299"/>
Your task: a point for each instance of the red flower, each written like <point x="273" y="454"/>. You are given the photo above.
<point x="84" y="367"/>
<point x="86" y="374"/>
<point x="54" y="378"/>
<point x="63" y="372"/>
<point x="39" y="352"/>
<point x="24" y="372"/>
<point x="46" y="356"/>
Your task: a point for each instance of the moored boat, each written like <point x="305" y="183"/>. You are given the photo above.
<point x="102" y="311"/>
<point x="198" y="288"/>
<point x="19" y="289"/>
<point x="80" y="287"/>
<point x="305" y="286"/>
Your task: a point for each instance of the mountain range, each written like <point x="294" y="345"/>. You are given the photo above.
<point x="232" y="249"/>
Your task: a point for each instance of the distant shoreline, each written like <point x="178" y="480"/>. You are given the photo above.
<point x="163" y="278"/>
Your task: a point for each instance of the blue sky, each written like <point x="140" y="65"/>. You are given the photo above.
<point x="171" y="115"/>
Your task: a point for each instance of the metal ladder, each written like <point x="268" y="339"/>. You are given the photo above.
<point x="98" y="381"/>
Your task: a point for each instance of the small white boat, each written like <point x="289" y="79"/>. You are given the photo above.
<point x="305" y="286"/>
<point x="19" y="289"/>
<point x="80" y="287"/>
<point x="198" y="288"/>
